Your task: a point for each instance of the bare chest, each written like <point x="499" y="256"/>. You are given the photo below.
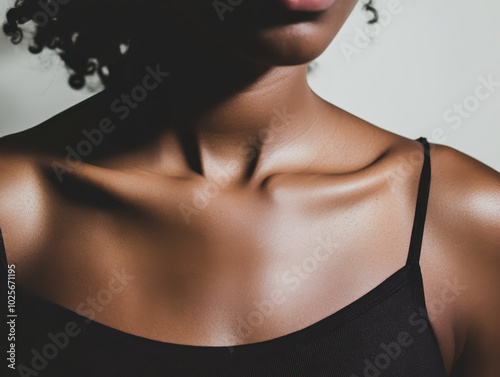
<point x="232" y="269"/>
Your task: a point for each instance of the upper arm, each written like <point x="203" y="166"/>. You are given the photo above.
<point x="469" y="195"/>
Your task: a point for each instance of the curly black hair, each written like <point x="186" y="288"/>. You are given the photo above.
<point x="85" y="39"/>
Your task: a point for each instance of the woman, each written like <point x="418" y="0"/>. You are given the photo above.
<point x="208" y="215"/>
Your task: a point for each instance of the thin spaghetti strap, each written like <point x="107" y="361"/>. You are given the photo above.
<point x="421" y="206"/>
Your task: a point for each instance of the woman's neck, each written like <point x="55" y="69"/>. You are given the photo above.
<point x="222" y="109"/>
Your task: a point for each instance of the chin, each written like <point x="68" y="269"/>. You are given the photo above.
<point x="264" y="33"/>
<point x="285" y="45"/>
<point x="286" y="40"/>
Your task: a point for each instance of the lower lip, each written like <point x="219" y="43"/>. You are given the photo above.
<point x="308" y="5"/>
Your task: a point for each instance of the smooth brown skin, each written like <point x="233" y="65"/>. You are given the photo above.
<point x="326" y="173"/>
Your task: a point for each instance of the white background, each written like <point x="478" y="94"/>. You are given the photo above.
<point x="424" y="57"/>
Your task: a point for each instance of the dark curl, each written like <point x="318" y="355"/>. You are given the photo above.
<point x="81" y="32"/>
<point x="369" y="7"/>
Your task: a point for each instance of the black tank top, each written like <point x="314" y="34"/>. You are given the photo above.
<point x="384" y="333"/>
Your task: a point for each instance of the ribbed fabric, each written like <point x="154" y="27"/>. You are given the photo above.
<point x="384" y="333"/>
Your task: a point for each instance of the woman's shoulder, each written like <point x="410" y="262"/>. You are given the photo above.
<point x="460" y="250"/>
<point x="464" y="197"/>
<point x="465" y="193"/>
<point x="464" y="216"/>
<point x="464" y="203"/>
<point x="25" y="153"/>
<point x="27" y="169"/>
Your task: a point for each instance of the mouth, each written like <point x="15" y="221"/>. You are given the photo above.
<point x="308" y="5"/>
